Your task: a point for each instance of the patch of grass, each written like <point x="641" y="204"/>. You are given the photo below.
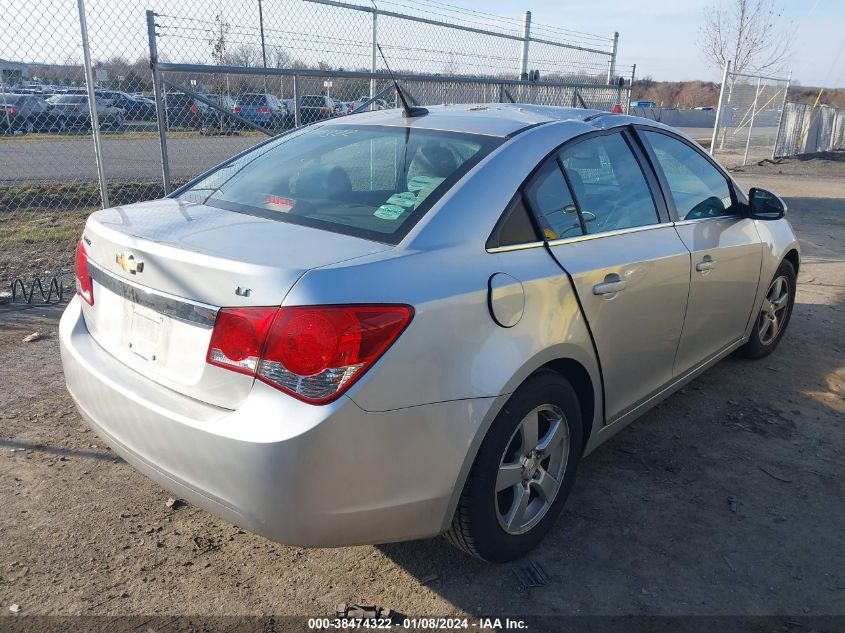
<point x="50" y="196"/>
<point x="36" y="226"/>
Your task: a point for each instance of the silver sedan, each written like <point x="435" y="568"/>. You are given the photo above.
<point x="380" y="328"/>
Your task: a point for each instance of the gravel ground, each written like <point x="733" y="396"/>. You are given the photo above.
<point x="728" y="499"/>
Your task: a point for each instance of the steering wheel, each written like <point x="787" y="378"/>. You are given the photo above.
<point x="708" y="208"/>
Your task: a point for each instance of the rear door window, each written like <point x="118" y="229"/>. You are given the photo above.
<point x="609" y="185"/>
<point x="551" y="202"/>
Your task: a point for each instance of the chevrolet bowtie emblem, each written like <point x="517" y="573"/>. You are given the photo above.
<point x="129" y="263"/>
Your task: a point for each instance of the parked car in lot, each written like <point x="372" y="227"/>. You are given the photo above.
<point x="383" y="328"/>
<point x="24" y="113"/>
<point x="265" y="110"/>
<point x="73" y="109"/>
<point x="216" y="122"/>
<point x="315" y="108"/>
<point x="183" y="111"/>
<point x="134" y="108"/>
<point x="378" y="104"/>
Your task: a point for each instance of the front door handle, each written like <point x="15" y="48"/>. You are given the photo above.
<point x="611" y="285"/>
<point x="707" y="263"/>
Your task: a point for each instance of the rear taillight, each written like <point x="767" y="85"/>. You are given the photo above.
<point x="194" y="109"/>
<point x="313" y="353"/>
<point x="238" y="336"/>
<point x="12" y="110"/>
<point x="236" y="109"/>
<point x="84" y="285"/>
<point x="263" y="110"/>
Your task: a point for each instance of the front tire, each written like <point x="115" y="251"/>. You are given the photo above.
<point x="773" y="318"/>
<point x="523" y="472"/>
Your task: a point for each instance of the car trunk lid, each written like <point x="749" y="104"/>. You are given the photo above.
<point x="162" y="269"/>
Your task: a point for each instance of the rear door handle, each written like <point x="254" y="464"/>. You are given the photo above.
<point x="707" y="263"/>
<point x="611" y="285"/>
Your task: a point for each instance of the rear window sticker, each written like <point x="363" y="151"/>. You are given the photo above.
<point x="404" y="199"/>
<point x="389" y="212"/>
<point x="278" y="203"/>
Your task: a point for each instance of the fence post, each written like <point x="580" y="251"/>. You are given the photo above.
<point x="782" y="112"/>
<point x="92" y="104"/>
<point x="718" y="121"/>
<point x="631" y="88"/>
<point x="161" y="108"/>
<point x="374" y="64"/>
<point x="6" y="110"/>
<point x="751" y="123"/>
<point x="611" y="64"/>
<point x="526" y="37"/>
<point x="297" y="111"/>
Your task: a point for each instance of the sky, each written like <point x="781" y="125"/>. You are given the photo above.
<point x="660" y="35"/>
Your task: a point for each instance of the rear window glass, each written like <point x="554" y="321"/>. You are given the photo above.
<point x="313" y="102"/>
<point x="252" y="100"/>
<point x="368" y="181"/>
<point x="10" y="98"/>
<point x="69" y="99"/>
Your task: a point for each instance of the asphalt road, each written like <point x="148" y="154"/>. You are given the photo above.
<point x="72" y="159"/>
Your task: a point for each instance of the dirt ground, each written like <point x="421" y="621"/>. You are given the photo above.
<point x="728" y="499"/>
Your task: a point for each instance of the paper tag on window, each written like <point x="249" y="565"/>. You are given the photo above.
<point x="389" y="212"/>
<point x="404" y="199"/>
<point x="421" y="182"/>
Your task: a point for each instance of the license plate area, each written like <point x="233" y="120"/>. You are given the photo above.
<point x="145" y="333"/>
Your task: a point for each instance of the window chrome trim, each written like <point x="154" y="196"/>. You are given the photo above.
<point x="593" y="236"/>
<point x="515" y="247"/>
<point x="732" y="216"/>
<point x="179" y="308"/>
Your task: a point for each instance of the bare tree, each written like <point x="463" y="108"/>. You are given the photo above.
<point x="753" y="34"/>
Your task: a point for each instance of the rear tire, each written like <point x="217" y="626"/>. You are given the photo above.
<point x="771" y="322"/>
<point x="504" y="524"/>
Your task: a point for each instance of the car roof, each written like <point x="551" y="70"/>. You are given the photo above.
<point x="491" y="119"/>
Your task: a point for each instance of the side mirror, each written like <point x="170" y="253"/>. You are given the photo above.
<point x="764" y="205"/>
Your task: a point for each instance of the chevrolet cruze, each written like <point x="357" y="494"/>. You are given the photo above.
<point x="382" y="327"/>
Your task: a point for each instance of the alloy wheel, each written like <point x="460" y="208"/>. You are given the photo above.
<point x="773" y="312"/>
<point x="531" y="469"/>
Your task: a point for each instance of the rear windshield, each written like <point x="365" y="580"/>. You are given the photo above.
<point x="68" y="99"/>
<point x="10" y="98"/>
<point x="252" y="100"/>
<point x="313" y="102"/>
<point x="368" y="181"/>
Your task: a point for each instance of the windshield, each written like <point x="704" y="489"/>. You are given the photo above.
<point x="367" y="181"/>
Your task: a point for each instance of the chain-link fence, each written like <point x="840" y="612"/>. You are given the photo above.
<point x="807" y="129"/>
<point x="748" y="118"/>
<point x="215" y="99"/>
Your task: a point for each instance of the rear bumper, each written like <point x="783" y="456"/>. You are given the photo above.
<point x="295" y="473"/>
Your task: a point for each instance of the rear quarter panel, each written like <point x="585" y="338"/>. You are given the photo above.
<point x="453" y="349"/>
